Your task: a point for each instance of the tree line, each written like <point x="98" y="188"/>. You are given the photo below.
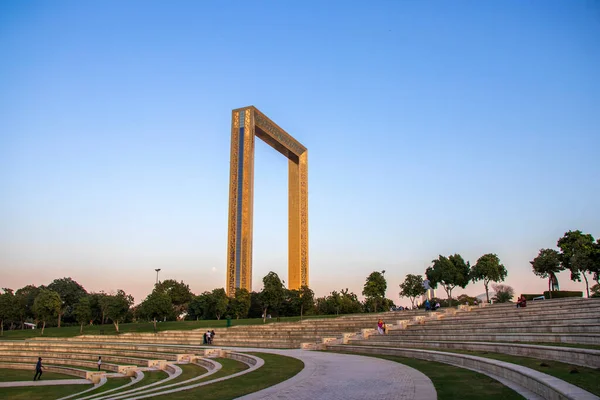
<point x="578" y="252"/>
<point x="65" y="301"/>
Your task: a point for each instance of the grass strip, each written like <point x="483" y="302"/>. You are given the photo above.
<point x="14" y="375"/>
<point x="188" y="371"/>
<point x="276" y="369"/>
<point x="452" y="382"/>
<point x="111" y="383"/>
<point x="150" y="377"/>
<point x="41" y="392"/>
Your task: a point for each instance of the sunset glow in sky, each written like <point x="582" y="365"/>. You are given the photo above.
<point x="432" y="128"/>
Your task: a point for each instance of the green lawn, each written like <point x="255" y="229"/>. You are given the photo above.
<point x="456" y="383"/>
<point x="229" y="367"/>
<point x="111" y="383"/>
<point x="109" y="329"/>
<point x="12" y="375"/>
<point x="189" y="371"/>
<point x="150" y="377"/>
<point x="276" y="369"/>
<point x="41" y="392"/>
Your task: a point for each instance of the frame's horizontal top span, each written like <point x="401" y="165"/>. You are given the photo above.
<point x="273" y="130"/>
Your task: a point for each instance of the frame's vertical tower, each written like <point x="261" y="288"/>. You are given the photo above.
<point x="246" y="123"/>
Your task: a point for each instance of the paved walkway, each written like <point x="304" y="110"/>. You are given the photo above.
<point x="52" y="382"/>
<point x="334" y="376"/>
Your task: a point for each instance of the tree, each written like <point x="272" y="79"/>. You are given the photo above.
<point x="179" y="292"/>
<point x="199" y="307"/>
<point x="272" y="294"/>
<point x="466" y="299"/>
<point x="450" y="272"/>
<point x="46" y="306"/>
<point x="219" y="302"/>
<point x="547" y="265"/>
<point x="577" y="255"/>
<point x="596" y="290"/>
<point x="83" y="311"/>
<point x="374" y="288"/>
<point x="307" y="299"/>
<point x="70" y="292"/>
<point x="504" y="293"/>
<point x="256" y="310"/>
<point x="240" y="303"/>
<point x="99" y="304"/>
<point x="488" y="269"/>
<point x="596" y="261"/>
<point x="412" y="287"/>
<point x="156" y="305"/>
<point x="117" y="307"/>
<point x="25" y="299"/>
<point x="343" y="302"/>
<point x="290" y="304"/>
<point x="8" y="308"/>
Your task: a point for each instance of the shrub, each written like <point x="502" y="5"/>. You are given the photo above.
<point x="559" y="294"/>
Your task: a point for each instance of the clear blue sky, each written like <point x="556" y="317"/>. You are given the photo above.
<point x="432" y="128"/>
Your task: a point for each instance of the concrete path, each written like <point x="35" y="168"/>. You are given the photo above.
<point x="53" y="382"/>
<point x="334" y="376"/>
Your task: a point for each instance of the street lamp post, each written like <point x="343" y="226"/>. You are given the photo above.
<point x="157" y="271"/>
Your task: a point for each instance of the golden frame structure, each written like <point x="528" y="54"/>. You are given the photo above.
<point x="246" y="124"/>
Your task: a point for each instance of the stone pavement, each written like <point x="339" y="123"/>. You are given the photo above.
<point x="334" y="376"/>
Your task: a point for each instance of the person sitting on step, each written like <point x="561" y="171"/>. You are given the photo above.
<point x="380" y="326"/>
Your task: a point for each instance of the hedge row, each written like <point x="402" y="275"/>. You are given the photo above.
<point x="557" y="294"/>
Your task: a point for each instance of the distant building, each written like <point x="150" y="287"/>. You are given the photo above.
<point x="429" y="295"/>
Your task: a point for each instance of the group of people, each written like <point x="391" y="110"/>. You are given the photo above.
<point x="430" y="306"/>
<point x="521" y="302"/>
<point x="208" y="337"/>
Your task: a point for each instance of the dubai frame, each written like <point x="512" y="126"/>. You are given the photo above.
<point x="246" y="124"/>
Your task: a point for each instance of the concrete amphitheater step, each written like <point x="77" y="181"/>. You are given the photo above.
<point x="70" y="362"/>
<point x="590" y="319"/>
<point x="574" y="338"/>
<point x="444" y="330"/>
<point x="93" y="351"/>
<point x="81" y="373"/>
<point x="524" y="313"/>
<point x="92" y="357"/>
<point x="568" y="355"/>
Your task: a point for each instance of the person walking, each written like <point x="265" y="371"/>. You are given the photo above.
<point x="38" y="370"/>
<point x="99" y="362"/>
